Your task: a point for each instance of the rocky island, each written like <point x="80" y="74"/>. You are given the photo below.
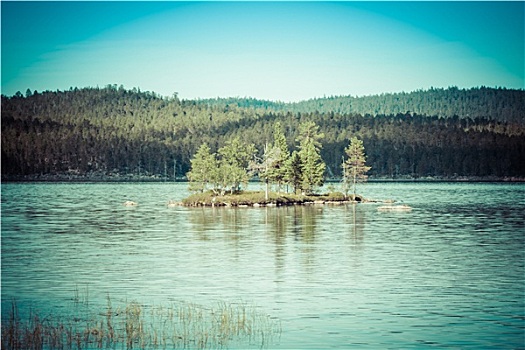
<point x="259" y="199"/>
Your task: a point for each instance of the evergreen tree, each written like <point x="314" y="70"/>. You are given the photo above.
<point x="203" y="169"/>
<point x="283" y="154"/>
<point x="313" y="167"/>
<point x="354" y="168"/>
<point x="112" y="131"/>
<point x="234" y="164"/>
<point x="294" y="171"/>
<point x="275" y="157"/>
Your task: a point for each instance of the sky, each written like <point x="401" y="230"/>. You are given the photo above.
<point x="282" y="51"/>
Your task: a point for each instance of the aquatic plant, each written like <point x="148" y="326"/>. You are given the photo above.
<point x="134" y="325"/>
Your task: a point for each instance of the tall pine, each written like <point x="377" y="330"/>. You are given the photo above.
<point x="280" y="155"/>
<point x="294" y="171"/>
<point x="354" y="168"/>
<point x="312" y="164"/>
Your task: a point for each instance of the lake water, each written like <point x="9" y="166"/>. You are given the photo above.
<point x="450" y="273"/>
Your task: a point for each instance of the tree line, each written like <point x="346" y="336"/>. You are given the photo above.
<point x="113" y="130"/>
<point x="498" y="104"/>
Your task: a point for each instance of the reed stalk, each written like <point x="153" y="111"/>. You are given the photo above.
<point x="184" y="325"/>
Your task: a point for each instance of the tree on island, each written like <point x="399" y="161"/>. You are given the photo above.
<point x="294" y="171"/>
<point x="276" y="157"/>
<point x="234" y="164"/>
<point x="354" y="168"/>
<point x="204" y="169"/>
<point x="312" y="165"/>
<point x="265" y="167"/>
<point x="225" y="171"/>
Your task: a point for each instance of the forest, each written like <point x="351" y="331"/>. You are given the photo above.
<point x="113" y="132"/>
<point x="485" y="103"/>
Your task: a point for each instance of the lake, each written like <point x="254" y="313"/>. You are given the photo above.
<point x="450" y="273"/>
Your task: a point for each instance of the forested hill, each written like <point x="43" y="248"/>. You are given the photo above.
<point x="128" y="133"/>
<point x="502" y="105"/>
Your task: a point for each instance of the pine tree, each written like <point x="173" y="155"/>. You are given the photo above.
<point x="313" y="167"/>
<point x="354" y="168"/>
<point x="294" y="171"/>
<point x="275" y="157"/>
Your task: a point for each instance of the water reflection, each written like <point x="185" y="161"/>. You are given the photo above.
<point x="203" y="221"/>
<point x="276" y="225"/>
<point x="230" y="223"/>
<point x="357" y="225"/>
<point x="299" y="221"/>
<point x="302" y="228"/>
<point x="304" y="222"/>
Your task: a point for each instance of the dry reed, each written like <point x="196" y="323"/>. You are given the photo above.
<point x="136" y="326"/>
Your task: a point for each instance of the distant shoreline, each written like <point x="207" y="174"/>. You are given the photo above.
<point x="157" y="179"/>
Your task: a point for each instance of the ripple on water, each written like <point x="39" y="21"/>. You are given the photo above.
<point x="447" y="274"/>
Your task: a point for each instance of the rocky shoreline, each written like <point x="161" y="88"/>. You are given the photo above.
<point x="259" y="199"/>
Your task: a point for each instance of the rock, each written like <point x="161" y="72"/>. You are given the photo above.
<point x="356" y="198"/>
<point x="394" y="208"/>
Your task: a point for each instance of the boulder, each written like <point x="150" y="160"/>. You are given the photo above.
<point x="394" y="208"/>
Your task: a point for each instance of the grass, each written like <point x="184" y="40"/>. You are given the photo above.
<point x="257" y="198"/>
<point x="136" y="326"/>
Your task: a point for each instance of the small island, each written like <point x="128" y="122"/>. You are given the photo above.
<point x="220" y="179"/>
<point x="259" y="199"/>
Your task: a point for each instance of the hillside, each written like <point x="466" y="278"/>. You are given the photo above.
<point x="501" y="105"/>
<point x="114" y="131"/>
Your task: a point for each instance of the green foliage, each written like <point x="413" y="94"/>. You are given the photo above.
<point x="354" y="168"/>
<point x="112" y="132"/>
<point x="502" y="105"/>
<point x="273" y="167"/>
<point x="204" y="170"/>
<point x="294" y="171"/>
<point x="334" y="196"/>
<point x="234" y="164"/>
<point x="312" y="165"/>
<point x="225" y="171"/>
<point x="282" y="154"/>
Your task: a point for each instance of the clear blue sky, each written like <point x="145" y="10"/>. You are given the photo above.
<point x="285" y="51"/>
